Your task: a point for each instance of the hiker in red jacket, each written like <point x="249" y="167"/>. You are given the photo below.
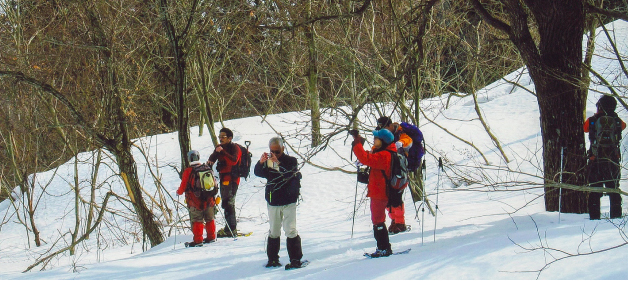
<point x="604" y="129"/>
<point x="379" y="160"/>
<point x="395" y="207"/>
<point x="200" y="204"/>
<point x="227" y="154"/>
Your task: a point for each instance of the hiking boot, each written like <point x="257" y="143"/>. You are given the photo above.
<point x="225" y="233"/>
<point x="381" y="253"/>
<point x="391" y="227"/>
<point x="273" y="263"/>
<point x="396" y="228"/>
<point x="207" y="241"/>
<point x="294" y="264"/>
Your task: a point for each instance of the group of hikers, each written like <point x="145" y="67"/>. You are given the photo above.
<point x="391" y="140"/>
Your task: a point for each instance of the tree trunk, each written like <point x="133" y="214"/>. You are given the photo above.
<point x="558" y="81"/>
<point x="556" y="68"/>
<point x="312" y="81"/>
<point x="176" y="41"/>
<point x="128" y="171"/>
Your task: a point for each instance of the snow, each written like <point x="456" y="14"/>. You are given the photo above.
<point x="483" y="230"/>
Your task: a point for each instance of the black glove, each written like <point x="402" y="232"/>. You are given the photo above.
<point x="354" y="133"/>
<point x="357" y="139"/>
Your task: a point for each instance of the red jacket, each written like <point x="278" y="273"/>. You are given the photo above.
<point x="227" y="158"/>
<point x="190" y="198"/>
<point x="379" y="161"/>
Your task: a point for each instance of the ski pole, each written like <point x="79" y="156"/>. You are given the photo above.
<point x="440" y="167"/>
<point x="355" y="199"/>
<point x="176" y="207"/>
<point x="423" y="200"/>
<point x="560" y="181"/>
<point x="235" y="236"/>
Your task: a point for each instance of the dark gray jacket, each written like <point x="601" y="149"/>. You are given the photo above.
<point x="283" y="186"/>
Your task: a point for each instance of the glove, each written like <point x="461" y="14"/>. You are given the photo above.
<point x="399" y="145"/>
<point x="179" y="193"/>
<point x="358" y="139"/>
<point x="217" y="200"/>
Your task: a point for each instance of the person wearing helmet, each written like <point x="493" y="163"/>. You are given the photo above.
<point x="604" y="129"/>
<point x="200" y="200"/>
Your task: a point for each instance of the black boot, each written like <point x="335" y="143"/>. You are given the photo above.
<point x="615" y="205"/>
<point x="294" y="252"/>
<point x="272" y="251"/>
<point x="383" y="243"/>
<point x="594" y="206"/>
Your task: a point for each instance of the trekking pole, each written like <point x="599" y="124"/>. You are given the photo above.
<point x="355" y="199"/>
<point x="176" y="207"/>
<point x="423" y="201"/>
<point x="560" y="181"/>
<point x="235" y="236"/>
<point x="440" y="167"/>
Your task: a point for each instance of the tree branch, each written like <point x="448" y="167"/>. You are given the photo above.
<point x="486" y="16"/>
<point x="359" y="11"/>
<point x="79" y="120"/>
<point x="609" y="13"/>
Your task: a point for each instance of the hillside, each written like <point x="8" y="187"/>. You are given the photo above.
<point x="491" y="216"/>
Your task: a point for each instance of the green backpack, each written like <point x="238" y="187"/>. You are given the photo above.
<point x="202" y="182"/>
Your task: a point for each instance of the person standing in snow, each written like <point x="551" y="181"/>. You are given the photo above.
<point x="379" y="159"/>
<point x="283" y="184"/>
<point x="200" y="204"/>
<point x="227" y="154"/>
<point x="604" y="129"/>
<point x="396" y="209"/>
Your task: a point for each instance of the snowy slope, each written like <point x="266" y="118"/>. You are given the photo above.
<point x="478" y="235"/>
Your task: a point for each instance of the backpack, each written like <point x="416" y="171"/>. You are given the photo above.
<point x="398" y="171"/>
<point x="606" y="137"/>
<point x="417" y="150"/>
<point x="242" y="169"/>
<point x="202" y="182"/>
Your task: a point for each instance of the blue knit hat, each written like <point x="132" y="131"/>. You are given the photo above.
<point x="385" y="135"/>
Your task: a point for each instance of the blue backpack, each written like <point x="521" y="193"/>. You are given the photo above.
<point x="417" y="150"/>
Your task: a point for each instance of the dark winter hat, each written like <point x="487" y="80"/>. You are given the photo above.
<point x="193" y="155"/>
<point x="385" y="135"/>
<point x="383" y="122"/>
<point x="607" y="103"/>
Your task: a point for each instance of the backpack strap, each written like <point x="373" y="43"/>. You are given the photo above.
<point x="190" y="183"/>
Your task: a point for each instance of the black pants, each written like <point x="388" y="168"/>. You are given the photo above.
<point x="228" y="194"/>
<point x="604" y="173"/>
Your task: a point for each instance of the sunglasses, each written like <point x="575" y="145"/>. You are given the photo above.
<point x="276" y="152"/>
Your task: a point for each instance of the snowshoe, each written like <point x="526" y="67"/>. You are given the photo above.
<point x="395" y="253"/>
<point x="192" y="244"/>
<point x="222" y="233"/>
<point x="379" y="253"/>
<point x="243" y="234"/>
<point x="272" y="264"/>
<point x="297" y="264"/>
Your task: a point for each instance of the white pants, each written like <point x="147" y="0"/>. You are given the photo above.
<point x="285" y="215"/>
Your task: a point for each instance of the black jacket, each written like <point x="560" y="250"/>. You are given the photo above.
<point x="282" y="187"/>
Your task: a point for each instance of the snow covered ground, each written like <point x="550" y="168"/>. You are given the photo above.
<point x="478" y="234"/>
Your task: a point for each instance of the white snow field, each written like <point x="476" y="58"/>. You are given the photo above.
<point x="482" y="232"/>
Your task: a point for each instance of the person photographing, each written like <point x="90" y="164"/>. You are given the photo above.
<point x="283" y="184"/>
